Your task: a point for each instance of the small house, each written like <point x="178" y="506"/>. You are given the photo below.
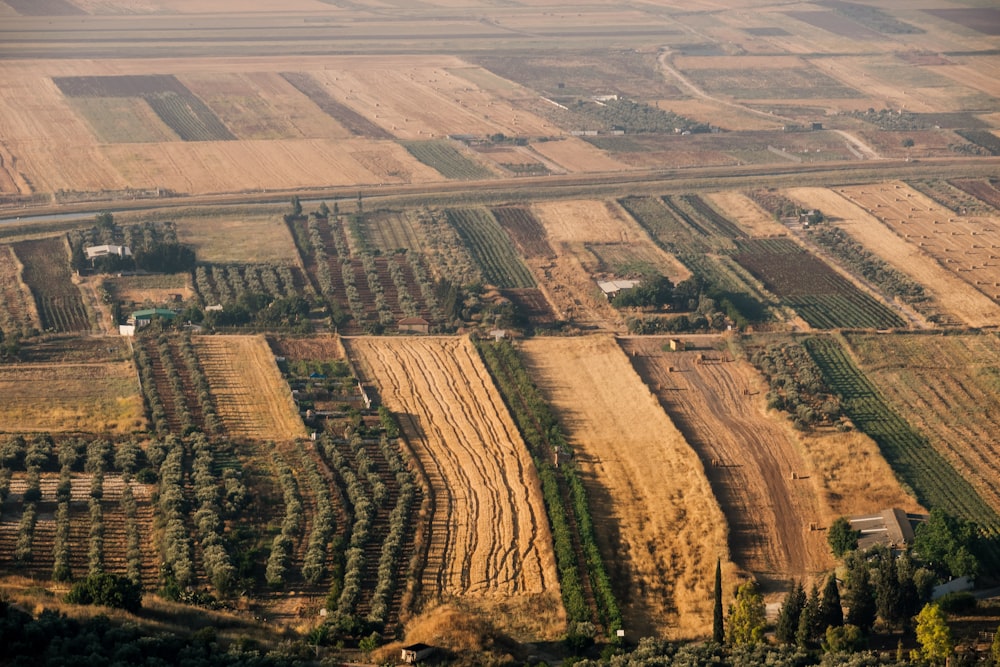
<point x="414" y="653"/>
<point x="141" y="318"/>
<point x="414" y="325"/>
<point x="93" y="252"/>
<point x="611" y="288"/>
<point x="892" y="527"/>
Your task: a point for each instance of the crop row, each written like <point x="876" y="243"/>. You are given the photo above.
<point x="447" y="160"/>
<point x="291" y="527"/>
<point x="525" y="229"/>
<point x="224" y="285"/>
<point x="188" y="116"/>
<point x="707" y="216"/>
<point x="490" y="247"/>
<point x="912" y="456"/>
<point x="581" y="567"/>
<point x="47" y="274"/>
<point x="821" y="296"/>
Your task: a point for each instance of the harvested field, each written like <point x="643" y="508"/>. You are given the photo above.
<point x="758" y="472"/>
<point x="754" y="220"/>
<point x="252" y="398"/>
<point x="17" y="307"/>
<point x="576" y="155"/>
<point x="801" y="83"/>
<point x="985" y="191"/>
<point x="838" y="25"/>
<point x="982" y="19"/>
<point x="153" y="289"/>
<point x="47" y="274"/>
<point x="237" y="239"/>
<point x="60" y="397"/>
<point x="415" y="100"/>
<point x="326" y="348"/>
<point x="659" y="527"/>
<point x="262" y="105"/>
<point x="956" y="299"/>
<point x="967" y="247"/>
<point x="489" y="537"/>
<point x="126" y="120"/>
<point x="346" y="117"/>
<point x="941" y="385"/>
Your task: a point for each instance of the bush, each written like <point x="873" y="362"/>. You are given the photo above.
<point x="107" y="590"/>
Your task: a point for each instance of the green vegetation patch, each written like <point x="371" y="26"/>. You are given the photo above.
<point x="490" y="247"/>
<point x="439" y="154"/>
<point x="918" y="465"/>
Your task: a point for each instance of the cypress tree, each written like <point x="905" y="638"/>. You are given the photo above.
<point x="860" y="596"/>
<point x="791" y="612"/>
<point x="718" y="629"/>
<point x="808" y="629"/>
<point x="830" y="611"/>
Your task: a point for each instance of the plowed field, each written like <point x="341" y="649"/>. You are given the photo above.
<point x="17" y="307"/>
<point x="252" y="398"/>
<point x="489" y="537"/>
<point x="749" y="457"/>
<point x="658" y="524"/>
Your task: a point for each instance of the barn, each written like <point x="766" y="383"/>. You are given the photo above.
<point x="892" y="527"/>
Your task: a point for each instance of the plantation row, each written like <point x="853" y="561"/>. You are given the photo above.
<point x="586" y="587"/>
<point x="364" y="289"/>
<point x="47" y="274"/>
<point x="820" y="295"/>
<point x="921" y="467"/>
<point x="174" y="385"/>
<point x="225" y="285"/>
<point x="795" y="384"/>
<point x="490" y="247"/>
<point x="447" y="160"/>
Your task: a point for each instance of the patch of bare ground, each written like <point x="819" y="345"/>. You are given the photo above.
<point x="891" y="236"/>
<point x="658" y="524"/>
<point x="252" y="398"/>
<point x="751" y="218"/>
<point x="489" y="547"/>
<point x="756" y="468"/>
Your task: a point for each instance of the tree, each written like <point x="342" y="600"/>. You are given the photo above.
<point x="859" y="596"/>
<point x="888" y="597"/>
<point x="108" y="590"/>
<point x="718" y="629"/>
<point x="843" y="639"/>
<point x="841" y="537"/>
<point x="933" y="634"/>
<point x="296" y="206"/>
<point x="746" y="616"/>
<point x="948" y="544"/>
<point x="808" y="631"/>
<point x="791" y="612"/>
<point x="831" y="614"/>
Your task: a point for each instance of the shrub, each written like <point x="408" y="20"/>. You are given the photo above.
<point x="107" y="590"/>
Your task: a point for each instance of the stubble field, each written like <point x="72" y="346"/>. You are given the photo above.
<point x="252" y="399"/>
<point x="659" y="527"/>
<point x="489" y="540"/>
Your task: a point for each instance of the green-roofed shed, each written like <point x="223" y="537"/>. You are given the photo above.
<point x="141" y="318"/>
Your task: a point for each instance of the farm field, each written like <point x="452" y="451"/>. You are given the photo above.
<point x="18" y="312"/>
<point x="490" y="247"/>
<point x="718" y="405"/>
<point x="251" y="398"/>
<point x="955" y="298"/>
<point x="46" y="272"/>
<point x="615" y="427"/>
<point x="57" y="397"/>
<point x="941" y="385"/>
<point x="489" y="539"/>
<point x="750" y="217"/>
<point x="966" y="246"/>
<point x="237" y="238"/>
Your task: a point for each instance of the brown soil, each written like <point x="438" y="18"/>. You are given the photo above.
<point x="757" y="471"/>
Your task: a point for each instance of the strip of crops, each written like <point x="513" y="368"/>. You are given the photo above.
<point x="447" y="160"/>
<point x="346" y="116"/>
<point x="982" y="138"/>
<point x="875" y="270"/>
<point x="490" y="247"/>
<point x="47" y="274"/>
<point x="577" y="555"/>
<point x="708" y="217"/>
<point x="934" y="481"/>
<point x="820" y="295"/>
<point x="189" y="117"/>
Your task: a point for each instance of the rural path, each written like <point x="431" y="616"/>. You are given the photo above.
<point x="668" y="69"/>
<point x="756" y="470"/>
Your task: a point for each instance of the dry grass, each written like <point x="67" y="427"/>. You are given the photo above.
<point x="241" y="239"/>
<point x="153" y="289"/>
<point x="659" y="526"/>
<point x="489" y="543"/>
<point x="751" y="218"/>
<point x="253" y="399"/>
<point x="576" y="155"/>
<point x="88" y="397"/>
<point x="951" y="294"/>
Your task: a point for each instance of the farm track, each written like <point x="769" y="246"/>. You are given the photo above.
<point x="488" y="536"/>
<point x="748" y="458"/>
